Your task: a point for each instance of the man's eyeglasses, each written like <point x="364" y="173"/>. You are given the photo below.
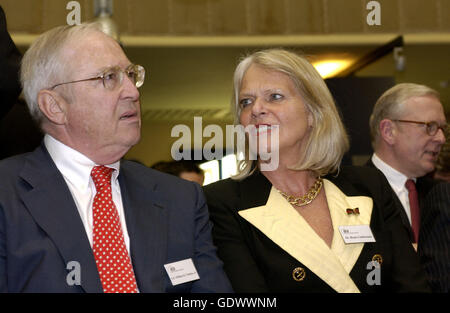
<point x="431" y="127"/>
<point x="113" y="77"/>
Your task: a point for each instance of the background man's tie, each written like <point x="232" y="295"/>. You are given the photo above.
<point x="110" y="252"/>
<point x="414" y="206"/>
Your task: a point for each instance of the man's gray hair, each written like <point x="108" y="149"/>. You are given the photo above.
<point x="43" y="65"/>
<point x="391" y="105"/>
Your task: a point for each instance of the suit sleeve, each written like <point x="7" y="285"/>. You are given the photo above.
<point x="407" y="274"/>
<point x="9" y="68"/>
<point x="209" y="266"/>
<point x="3" y="285"/>
<point x="229" y="236"/>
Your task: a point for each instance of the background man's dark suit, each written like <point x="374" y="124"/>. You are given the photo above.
<point x="423" y="186"/>
<point x="434" y="240"/>
<point x="268" y="267"/>
<point x="41" y="230"/>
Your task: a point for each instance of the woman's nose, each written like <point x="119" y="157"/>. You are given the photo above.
<point x="258" y="108"/>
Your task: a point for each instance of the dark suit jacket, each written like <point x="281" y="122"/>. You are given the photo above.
<point x="18" y="131"/>
<point x="254" y="263"/>
<point x="434" y="240"/>
<point x="423" y="186"/>
<point x="41" y="230"/>
<point x="9" y="68"/>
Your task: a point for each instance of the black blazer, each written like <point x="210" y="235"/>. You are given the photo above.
<point x="434" y="240"/>
<point x="254" y="263"/>
<point x="18" y="132"/>
<point x="9" y="68"/>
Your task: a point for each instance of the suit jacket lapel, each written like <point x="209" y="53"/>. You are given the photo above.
<point x="284" y="226"/>
<point x="147" y="222"/>
<point x="403" y="216"/>
<point x="338" y="202"/>
<point x="50" y="203"/>
<point x="399" y="205"/>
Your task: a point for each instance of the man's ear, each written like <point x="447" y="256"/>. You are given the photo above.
<point x="52" y="106"/>
<point x="388" y="131"/>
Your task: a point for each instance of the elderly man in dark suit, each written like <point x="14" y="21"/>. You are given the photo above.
<point x="407" y="129"/>
<point x="73" y="216"/>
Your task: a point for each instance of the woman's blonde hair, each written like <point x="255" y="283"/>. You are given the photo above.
<point x="328" y="139"/>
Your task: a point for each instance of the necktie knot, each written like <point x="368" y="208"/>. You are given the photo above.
<point x="101" y="175"/>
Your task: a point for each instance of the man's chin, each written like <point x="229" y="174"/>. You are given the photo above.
<point x="426" y="168"/>
<point x="134" y="140"/>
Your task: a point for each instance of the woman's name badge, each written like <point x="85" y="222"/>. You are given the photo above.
<point x="356" y="233"/>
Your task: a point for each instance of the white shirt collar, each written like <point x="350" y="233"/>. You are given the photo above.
<point x="74" y="166"/>
<point x="396" y="179"/>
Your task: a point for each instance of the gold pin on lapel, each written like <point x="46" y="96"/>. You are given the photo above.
<point x="377" y="258"/>
<point x="298" y="274"/>
<point x="352" y="211"/>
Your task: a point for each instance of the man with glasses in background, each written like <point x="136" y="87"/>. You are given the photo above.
<point x="74" y="217"/>
<point x="408" y="128"/>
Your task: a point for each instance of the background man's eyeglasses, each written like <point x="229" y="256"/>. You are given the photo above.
<point x="431" y="127"/>
<point x="113" y="77"/>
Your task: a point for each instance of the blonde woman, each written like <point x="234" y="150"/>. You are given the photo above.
<point x="308" y="225"/>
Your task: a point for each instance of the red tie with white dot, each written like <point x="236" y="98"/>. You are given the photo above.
<point x="110" y="252"/>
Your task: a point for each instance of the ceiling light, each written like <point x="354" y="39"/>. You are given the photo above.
<point x="329" y="68"/>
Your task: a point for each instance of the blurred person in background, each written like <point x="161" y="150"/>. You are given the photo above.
<point x="443" y="163"/>
<point x="408" y="128"/>
<point x="18" y="132"/>
<point x="184" y="169"/>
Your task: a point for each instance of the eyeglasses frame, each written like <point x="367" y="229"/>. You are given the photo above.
<point x="102" y="77"/>
<point x="444" y="128"/>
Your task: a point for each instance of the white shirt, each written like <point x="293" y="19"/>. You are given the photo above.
<point x="76" y="170"/>
<point x="397" y="181"/>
